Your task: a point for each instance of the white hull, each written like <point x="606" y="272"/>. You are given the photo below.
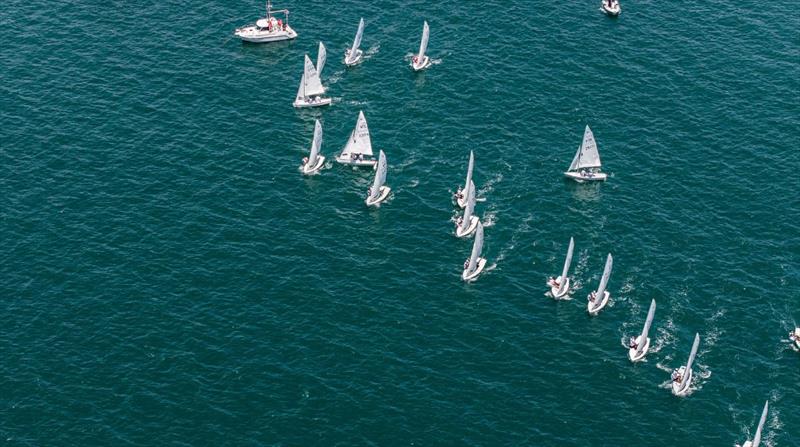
<point x="748" y="444"/>
<point x="461" y="201"/>
<point x="612" y="10"/>
<point x="559" y="292"/>
<point x="592" y="177"/>
<point x="253" y="34"/>
<point x="796" y="345"/>
<point x="423" y="64"/>
<point x="355" y="60"/>
<point x="632" y="352"/>
<point x="368" y="162"/>
<point x="796" y="340"/>
<point x="308" y="170"/>
<point x="682" y="389"/>
<point x="593" y="308"/>
<point x="478" y="270"/>
<point x="385" y="190"/>
<point x="315" y="101"/>
<point x="473" y="224"/>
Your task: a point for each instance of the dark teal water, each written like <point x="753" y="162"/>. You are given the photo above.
<point x="169" y="278"/>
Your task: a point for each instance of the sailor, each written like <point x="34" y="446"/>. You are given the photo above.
<point x="466" y="264"/>
<point x="280" y="22"/>
<point x="632" y="344"/>
<point x="460" y="221"/>
<point x="353" y="156"/>
<point x="676" y="377"/>
<point x="592" y="296"/>
<point x="305" y="160"/>
<point x="609" y="3"/>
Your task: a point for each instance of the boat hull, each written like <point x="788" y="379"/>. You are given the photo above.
<point x="308" y="170"/>
<point x="611" y="11"/>
<point x="632" y="352"/>
<point x="561" y="291"/>
<point x="593" y="177"/>
<point x="311" y="102"/>
<point x="466" y="276"/>
<point x="594" y="310"/>
<point x="796" y="340"/>
<point x="461" y="202"/>
<point x="473" y="224"/>
<point x="385" y="190"/>
<point x="682" y="389"/>
<point x="423" y="64"/>
<point x="364" y="162"/>
<point x="355" y="60"/>
<point x="251" y="34"/>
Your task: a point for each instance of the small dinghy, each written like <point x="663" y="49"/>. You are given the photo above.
<point x="310" y="92"/>
<point x="559" y="287"/>
<point x="757" y="438"/>
<point x="586" y="165"/>
<point x="268" y="29"/>
<point x="467" y="223"/>
<point x="637" y="347"/>
<point x="358" y="150"/>
<point x="353" y="55"/>
<point x="611" y="7"/>
<point x="460" y="197"/>
<point x="599" y="298"/>
<point x="314" y="161"/>
<point x="475" y="264"/>
<point x="377" y="193"/>
<point x="420" y="61"/>
<point x="794" y="337"/>
<point x="682" y="377"/>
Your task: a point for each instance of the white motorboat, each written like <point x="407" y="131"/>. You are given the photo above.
<point x="268" y="29"/>
<point x="794" y="337"/>
<point x="475" y="264"/>
<point x="378" y="192"/>
<point x="682" y="377"/>
<point x="460" y="196"/>
<point x="467" y="224"/>
<point x="310" y="91"/>
<point x="358" y="150"/>
<point x="420" y="61"/>
<point x="313" y="163"/>
<point x="637" y="347"/>
<point x="757" y="438"/>
<point x="585" y="166"/>
<point x="599" y="298"/>
<point x="611" y="7"/>
<point x="559" y="287"/>
<point x="354" y="54"/>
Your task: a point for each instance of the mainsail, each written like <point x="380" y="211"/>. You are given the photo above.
<point x="380" y="177"/>
<point x="359" y="142"/>
<point x="465" y="222"/>
<point x="567" y="261"/>
<point x="587" y="155"/>
<point x="357" y="40"/>
<point x="310" y="85"/>
<point x="469" y="170"/>
<point x="315" y="144"/>
<point x="646" y="329"/>
<point x="322" y="56"/>
<point x="757" y="437"/>
<point x="477" y="246"/>
<point x="423" y="45"/>
<point x="604" y="280"/>
<point x="691" y="358"/>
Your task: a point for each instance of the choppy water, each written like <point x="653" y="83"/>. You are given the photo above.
<point x="169" y="278"/>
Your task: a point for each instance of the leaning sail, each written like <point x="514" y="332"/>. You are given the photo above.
<point x="469" y="170"/>
<point x="589" y="157"/>
<point x="757" y="437"/>
<point x="423" y="45"/>
<point x="380" y="177"/>
<point x="313" y="85"/>
<point x="359" y="142"/>
<point x="357" y="40"/>
<point x="691" y="357"/>
<point x="568" y="261"/>
<point x="646" y="329"/>
<point x="322" y="56"/>
<point x="604" y="280"/>
<point x="315" y="144"/>
<point x="477" y="246"/>
<point x="469" y="208"/>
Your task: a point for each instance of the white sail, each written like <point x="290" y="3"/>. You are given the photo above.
<point x="604" y="280"/>
<point x="322" y="56"/>
<point x="691" y="358"/>
<point x="357" y="40"/>
<point x="477" y="246"/>
<point x="315" y="144"/>
<point x="310" y="85"/>
<point x="587" y="155"/>
<point x="380" y="177"/>
<point x="465" y="221"/>
<point x="646" y="329"/>
<point x="423" y="45"/>
<point x="359" y="142"/>
<point x="469" y="170"/>
<point x="757" y="437"/>
<point x="568" y="261"/>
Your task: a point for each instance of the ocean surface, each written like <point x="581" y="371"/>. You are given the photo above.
<point x="168" y="277"/>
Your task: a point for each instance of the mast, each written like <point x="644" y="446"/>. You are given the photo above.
<point x="568" y="260"/>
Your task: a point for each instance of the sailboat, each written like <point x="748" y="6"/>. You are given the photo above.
<point x="611" y="7"/>
<point x="559" y="287"/>
<point x="353" y="55"/>
<point x="599" y="298"/>
<point x="310" y="91"/>
<point x="420" y="61"/>
<point x="794" y="337"/>
<point x="637" y="347"/>
<point x="314" y="161"/>
<point x="475" y="264"/>
<point x="267" y="29"/>
<point x="757" y="438"/>
<point x="460" y="196"/>
<point x="682" y="377"/>
<point x="468" y="223"/>
<point x="358" y="150"/>
<point x="586" y="165"/>
<point x="378" y="192"/>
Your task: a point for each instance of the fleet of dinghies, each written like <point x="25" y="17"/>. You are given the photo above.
<point x="357" y="151"/>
